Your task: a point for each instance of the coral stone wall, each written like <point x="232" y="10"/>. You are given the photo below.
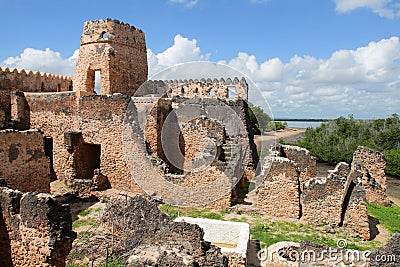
<point x="306" y="163"/>
<point x="39" y="229"/>
<point x="24" y="165"/>
<point x="322" y="197"/>
<point x="98" y="118"/>
<point x="28" y="81"/>
<point x="115" y="49"/>
<point x="374" y="180"/>
<point x="223" y="89"/>
<point x="278" y="193"/>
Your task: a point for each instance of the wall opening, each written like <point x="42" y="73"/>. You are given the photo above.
<point x="212" y="92"/>
<point x="182" y="90"/>
<point x="48" y="152"/>
<point x="59" y="88"/>
<point x="196" y="90"/>
<point x="87" y="160"/>
<point x="104" y="35"/>
<point x="42" y="87"/>
<point x="231" y="92"/>
<point x="97" y="81"/>
<point x="346" y="202"/>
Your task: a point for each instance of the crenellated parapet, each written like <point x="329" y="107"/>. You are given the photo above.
<point x="215" y="88"/>
<point x="108" y="31"/>
<point x="117" y="52"/>
<point x="29" y="81"/>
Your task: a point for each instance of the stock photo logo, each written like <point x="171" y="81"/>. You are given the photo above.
<point x="189" y="142"/>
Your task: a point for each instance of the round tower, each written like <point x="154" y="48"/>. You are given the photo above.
<point x="117" y="51"/>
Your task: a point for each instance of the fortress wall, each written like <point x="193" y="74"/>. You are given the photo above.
<point x="322" y="198"/>
<point x="29" y="81"/>
<point x="374" y="180"/>
<point x="223" y="89"/>
<point x="278" y="193"/>
<point x="36" y="229"/>
<point x="100" y="120"/>
<point x="306" y="163"/>
<point x="24" y="165"/>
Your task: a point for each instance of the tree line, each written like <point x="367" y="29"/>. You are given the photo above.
<point x="336" y="140"/>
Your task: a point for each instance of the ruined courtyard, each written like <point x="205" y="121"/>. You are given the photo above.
<point x="186" y="143"/>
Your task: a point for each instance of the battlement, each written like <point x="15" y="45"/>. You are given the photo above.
<point x="111" y="31"/>
<point x="218" y="88"/>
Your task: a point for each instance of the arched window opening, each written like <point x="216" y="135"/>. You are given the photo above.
<point x="196" y="90"/>
<point x="42" y="87"/>
<point x="104" y="35"/>
<point x="182" y="90"/>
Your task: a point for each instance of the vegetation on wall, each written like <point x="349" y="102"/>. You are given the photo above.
<point x="336" y="141"/>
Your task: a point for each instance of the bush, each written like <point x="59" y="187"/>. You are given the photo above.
<point x="336" y="141"/>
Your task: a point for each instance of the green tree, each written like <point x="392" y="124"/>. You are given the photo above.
<point x="337" y="140"/>
<point x="258" y="118"/>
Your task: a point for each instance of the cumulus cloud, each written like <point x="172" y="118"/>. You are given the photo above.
<point x="186" y="3"/>
<point x="183" y="50"/>
<point x="363" y="81"/>
<point x="43" y="60"/>
<point x="384" y="8"/>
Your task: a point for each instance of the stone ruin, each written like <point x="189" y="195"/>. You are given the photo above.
<point x="289" y="188"/>
<point x="57" y="128"/>
<point x="35" y="229"/>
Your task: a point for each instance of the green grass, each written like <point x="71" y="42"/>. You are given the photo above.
<point x="84" y="222"/>
<point x="192" y="212"/>
<point x="84" y="212"/>
<point x="389" y="217"/>
<point x="84" y="234"/>
<point x="269" y="232"/>
<point x="113" y="261"/>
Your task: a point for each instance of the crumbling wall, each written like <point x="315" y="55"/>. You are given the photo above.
<point x="354" y="210"/>
<point x="322" y="196"/>
<point x="149" y="237"/>
<point x="24" y="165"/>
<point x="98" y="118"/>
<point x="278" y="192"/>
<point x="39" y="229"/>
<point x="306" y="163"/>
<point x="118" y="51"/>
<point x="374" y="180"/>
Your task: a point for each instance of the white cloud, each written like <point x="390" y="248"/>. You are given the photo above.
<point x="364" y="81"/>
<point x="183" y="50"/>
<point x="384" y="8"/>
<point x="44" y="61"/>
<point x="186" y="3"/>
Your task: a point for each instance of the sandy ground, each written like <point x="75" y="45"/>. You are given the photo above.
<point x="289" y="135"/>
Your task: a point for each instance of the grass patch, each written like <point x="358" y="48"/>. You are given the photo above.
<point x="84" y="212"/>
<point x="389" y="217"/>
<point x="84" y="222"/>
<point x="84" y="234"/>
<point x="113" y="261"/>
<point x="192" y="212"/>
<point x="268" y="233"/>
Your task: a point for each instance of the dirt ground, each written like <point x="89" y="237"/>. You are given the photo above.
<point x="289" y="135"/>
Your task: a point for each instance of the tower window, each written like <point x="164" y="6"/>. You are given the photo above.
<point x="212" y="92"/>
<point x="104" y="35"/>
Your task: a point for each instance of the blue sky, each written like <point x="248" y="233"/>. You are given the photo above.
<point x="310" y="58"/>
